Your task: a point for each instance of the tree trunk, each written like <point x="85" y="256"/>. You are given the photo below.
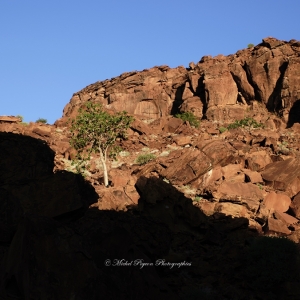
<point x="105" y="175"/>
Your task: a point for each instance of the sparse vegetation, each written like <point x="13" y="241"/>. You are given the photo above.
<point x="78" y="167"/>
<point x="190" y="117"/>
<point x="260" y="186"/>
<point x="222" y="129"/>
<point x="187" y="189"/>
<point x="198" y="198"/>
<point x="145" y="149"/>
<point x="282" y="147"/>
<point x="124" y="153"/>
<point x="250" y="45"/>
<point x="95" y="131"/>
<point x="166" y="180"/>
<point x="249" y="123"/>
<point x="145" y="158"/>
<point x="164" y="153"/>
<point x="41" y="120"/>
<point x="21" y="117"/>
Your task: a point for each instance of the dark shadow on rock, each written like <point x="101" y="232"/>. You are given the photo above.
<point x="274" y="103"/>
<point x="165" y="248"/>
<point x="178" y="100"/>
<point x="219" y="246"/>
<point x="257" y="91"/>
<point x="53" y="246"/>
<point x="271" y="268"/>
<point x="200" y="92"/>
<point x="23" y="158"/>
<point x="294" y="114"/>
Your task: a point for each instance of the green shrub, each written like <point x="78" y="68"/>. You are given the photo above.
<point x="21" y="117"/>
<point x="222" y="129"/>
<point x="250" y="45"/>
<point x="259" y="185"/>
<point x="190" y="117"/>
<point x="145" y="158"/>
<point x="198" y="198"/>
<point x="246" y="122"/>
<point x="41" y="120"/>
<point x="79" y="167"/>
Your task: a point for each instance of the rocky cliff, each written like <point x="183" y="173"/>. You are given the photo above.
<point x="213" y="198"/>
<point x="216" y="88"/>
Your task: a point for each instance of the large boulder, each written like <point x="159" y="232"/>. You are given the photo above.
<point x="278" y="202"/>
<point x="283" y="176"/>
<point x="184" y="166"/>
<point x="247" y="194"/>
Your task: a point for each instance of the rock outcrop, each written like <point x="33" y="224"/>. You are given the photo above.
<point x="216" y="88"/>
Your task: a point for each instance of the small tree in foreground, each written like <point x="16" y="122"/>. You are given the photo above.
<point x="95" y="131"/>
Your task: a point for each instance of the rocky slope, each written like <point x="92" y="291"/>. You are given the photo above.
<point x="205" y="198"/>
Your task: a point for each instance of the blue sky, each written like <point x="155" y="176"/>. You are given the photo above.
<point x="52" y="49"/>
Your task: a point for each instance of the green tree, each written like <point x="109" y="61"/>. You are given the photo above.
<point x="95" y="131"/>
<point x="250" y="45"/>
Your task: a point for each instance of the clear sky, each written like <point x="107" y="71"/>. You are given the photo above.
<point x="52" y="49"/>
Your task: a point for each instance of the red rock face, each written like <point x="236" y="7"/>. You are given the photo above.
<point x="212" y="88"/>
<point x="9" y="119"/>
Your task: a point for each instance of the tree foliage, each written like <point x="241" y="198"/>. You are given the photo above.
<point x="95" y="131"/>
